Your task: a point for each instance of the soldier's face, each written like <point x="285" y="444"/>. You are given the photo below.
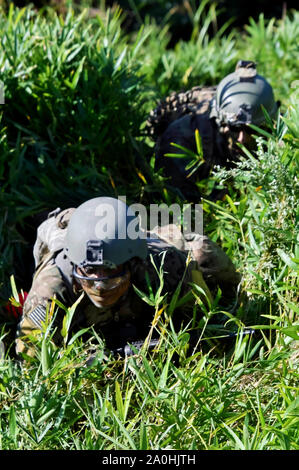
<point x="104" y="286"/>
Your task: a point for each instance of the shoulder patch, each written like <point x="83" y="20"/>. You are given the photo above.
<point x="38" y="315"/>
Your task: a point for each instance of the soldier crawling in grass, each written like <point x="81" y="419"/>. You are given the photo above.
<point x="72" y="258"/>
<point x="222" y="116"/>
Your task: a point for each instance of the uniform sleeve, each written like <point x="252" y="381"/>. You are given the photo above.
<point x="174" y="265"/>
<point x="47" y="284"/>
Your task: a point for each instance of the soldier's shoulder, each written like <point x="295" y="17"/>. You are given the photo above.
<point x="51" y="234"/>
<point x="157" y="246"/>
<point x="56" y="219"/>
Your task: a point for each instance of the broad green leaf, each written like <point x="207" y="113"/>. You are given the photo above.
<point x="120" y="59"/>
<point x="144" y="297"/>
<point x="127" y="401"/>
<point x="198" y="141"/>
<point x="238" y="443"/>
<point x="149" y="372"/>
<point x="119" y="401"/>
<point x="78" y="73"/>
<point x="174" y="298"/>
<point x="77" y="335"/>
<point x="253" y="243"/>
<point x="176" y="155"/>
<point x="12" y="423"/>
<point x="288" y="260"/>
<point x="164" y="374"/>
<point x="231" y="203"/>
<point x="45" y="357"/>
<point x="143" y="441"/>
<point x="14" y="289"/>
<point x="292" y="409"/>
<point x="292" y="331"/>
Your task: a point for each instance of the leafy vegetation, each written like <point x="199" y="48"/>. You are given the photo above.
<point x="77" y="94"/>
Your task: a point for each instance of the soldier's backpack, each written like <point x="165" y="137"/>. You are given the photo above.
<point x="51" y="234"/>
<point x="176" y="105"/>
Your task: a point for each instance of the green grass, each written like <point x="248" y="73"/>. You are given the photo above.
<point x="165" y="400"/>
<point x="77" y="94"/>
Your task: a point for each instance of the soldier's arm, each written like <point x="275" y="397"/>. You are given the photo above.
<point x="216" y="267"/>
<point x="177" y="267"/>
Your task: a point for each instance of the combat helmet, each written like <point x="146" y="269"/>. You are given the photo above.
<point x="240" y="96"/>
<point x="104" y="231"/>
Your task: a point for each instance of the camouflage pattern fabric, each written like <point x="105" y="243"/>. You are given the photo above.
<point x="130" y="318"/>
<point x="177" y="105"/>
<point x="216" y="267"/>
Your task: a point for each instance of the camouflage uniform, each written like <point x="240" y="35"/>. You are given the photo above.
<point x="175" y="120"/>
<point x="130" y="318"/>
